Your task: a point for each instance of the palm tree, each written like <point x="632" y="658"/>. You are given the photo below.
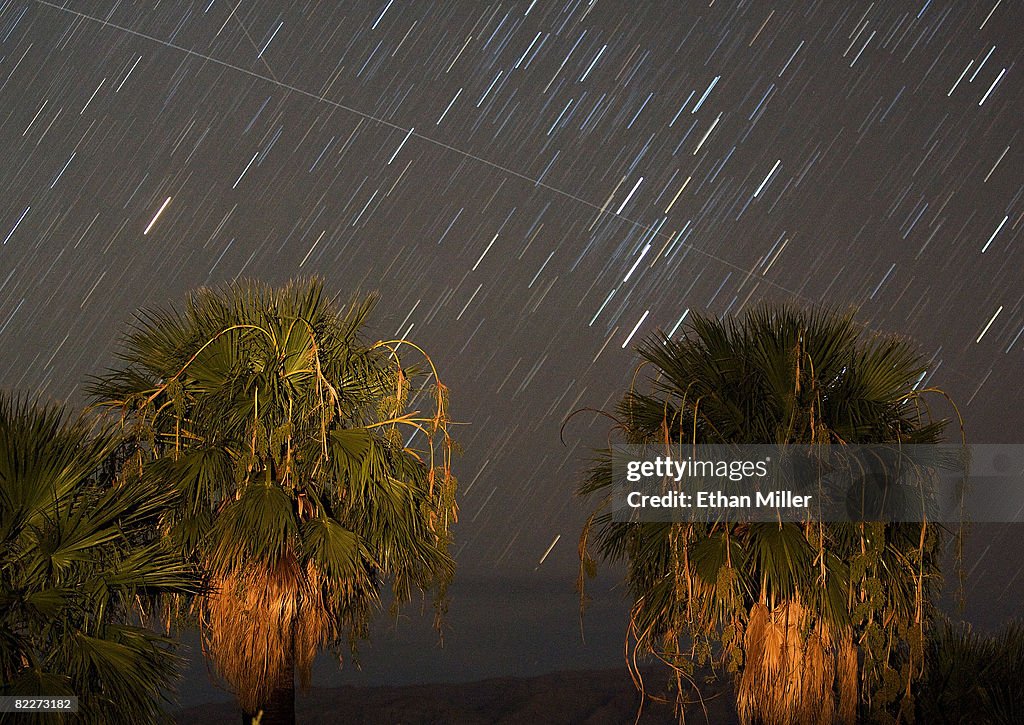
<point x="282" y="432"/>
<point x="816" y="620"/>
<point x="78" y="575"/>
<point x="973" y="678"/>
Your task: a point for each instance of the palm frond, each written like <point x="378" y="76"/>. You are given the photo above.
<point x="79" y="569"/>
<point x="277" y="430"/>
<point x="792" y="607"/>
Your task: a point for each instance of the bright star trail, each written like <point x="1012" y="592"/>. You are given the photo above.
<point x="533" y="188"/>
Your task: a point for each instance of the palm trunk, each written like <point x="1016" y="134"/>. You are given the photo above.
<point x="792" y="676"/>
<point x="279" y="709"/>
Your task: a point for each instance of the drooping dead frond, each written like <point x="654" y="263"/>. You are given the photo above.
<point x="255" y="618"/>
<point x="314" y="626"/>
<point x="794" y="665"/>
<point x="847" y="680"/>
<point x="311" y="468"/>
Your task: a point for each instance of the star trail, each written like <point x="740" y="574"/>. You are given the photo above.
<point x="533" y="187"/>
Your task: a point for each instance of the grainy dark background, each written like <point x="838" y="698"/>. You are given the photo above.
<point x="529" y="185"/>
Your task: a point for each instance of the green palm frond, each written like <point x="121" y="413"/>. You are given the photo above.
<point x="79" y="569"/>
<point x="972" y="677"/>
<point x="258" y="526"/>
<point x="278" y="429"/>
<point x="333" y="549"/>
<point x="776" y="375"/>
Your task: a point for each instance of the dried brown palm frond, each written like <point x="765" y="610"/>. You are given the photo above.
<point x="314" y="627"/>
<point x="847" y="679"/>
<point x="794" y="668"/>
<point x="257" y="619"/>
<point x="285" y="438"/>
<point x="820" y="623"/>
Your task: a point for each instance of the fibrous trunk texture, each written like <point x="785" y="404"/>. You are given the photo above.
<point x="796" y="673"/>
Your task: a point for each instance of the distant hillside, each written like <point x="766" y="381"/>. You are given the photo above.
<point x="605" y="697"/>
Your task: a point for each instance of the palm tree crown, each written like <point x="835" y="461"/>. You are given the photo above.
<point x="281" y="431"/>
<point x="790" y="607"/>
<point x="78" y="572"/>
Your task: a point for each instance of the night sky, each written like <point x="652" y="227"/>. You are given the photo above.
<point x="533" y="187"/>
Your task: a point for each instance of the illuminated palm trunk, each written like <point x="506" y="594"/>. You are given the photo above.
<point x="796" y="673"/>
<point x="280" y="433"/>
<point x="256" y="624"/>
<point x="279" y="709"/>
<point x="820" y="623"/>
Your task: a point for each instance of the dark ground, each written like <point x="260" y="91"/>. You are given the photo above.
<point x="596" y="697"/>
